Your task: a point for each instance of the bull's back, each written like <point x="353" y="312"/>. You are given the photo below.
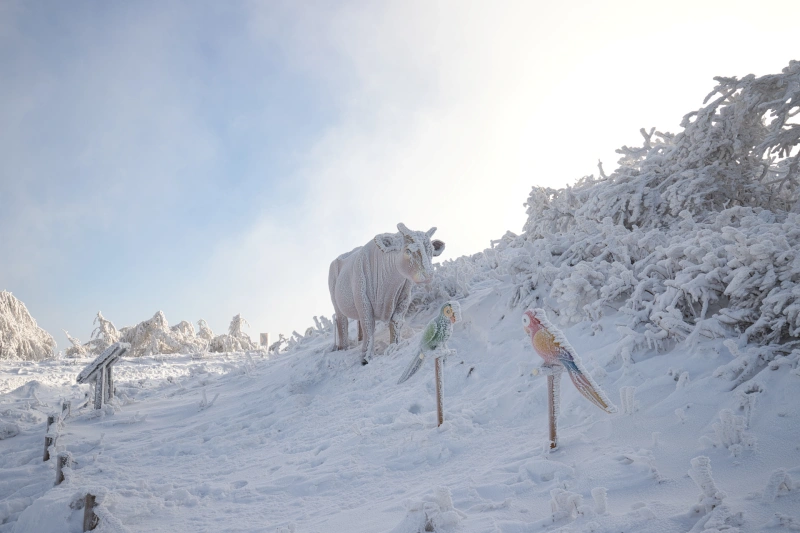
<point x="340" y="283"/>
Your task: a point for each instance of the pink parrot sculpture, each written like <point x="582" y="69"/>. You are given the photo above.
<point x="557" y="353"/>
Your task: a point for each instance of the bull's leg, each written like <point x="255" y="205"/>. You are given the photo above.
<point x="394" y="331"/>
<point x="366" y="317"/>
<point x="368" y="344"/>
<point x="400" y="308"/>
<point x="342" y="338"/>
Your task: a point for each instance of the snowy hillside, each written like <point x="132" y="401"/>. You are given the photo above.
<point x="312" y="441"/>
<point x="676" y="278"/>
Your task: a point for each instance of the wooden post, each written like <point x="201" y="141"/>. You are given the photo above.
<point x="109" y="383"/>
<point x="64" y="461"/>
<point x="90" y="519"/>
<point x="439" y="391"/>
<point x="66" y="409"/>
<point x="51" y="419"/>
<point x="553" y="392"/>
<point x="49" y="440"/>
<point x="99" y="388"/>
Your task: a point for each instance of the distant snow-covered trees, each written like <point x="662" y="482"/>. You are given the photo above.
<point x="156" y="336"/>
<point x="20" y="337"/>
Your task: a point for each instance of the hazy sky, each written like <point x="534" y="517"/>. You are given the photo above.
<point x="211" y="158"/>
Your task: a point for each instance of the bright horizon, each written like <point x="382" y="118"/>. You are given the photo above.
<point x="208" y="162"/>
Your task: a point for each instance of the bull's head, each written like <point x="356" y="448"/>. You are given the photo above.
<point x="418" y="252"/>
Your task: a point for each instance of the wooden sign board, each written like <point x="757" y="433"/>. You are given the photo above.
<point x="99" y="372"/>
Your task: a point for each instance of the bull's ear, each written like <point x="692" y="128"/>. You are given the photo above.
<point x="403" y="229"/>
<point x="430" y="232"/>
<point x="438" y="247"/>
<point x="389" y="242"/>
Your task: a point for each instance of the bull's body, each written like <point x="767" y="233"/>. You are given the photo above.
<point x="373" y="282"/>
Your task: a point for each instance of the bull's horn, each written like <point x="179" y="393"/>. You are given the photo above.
<point x="430" y="232"/>
<point x="403" y="229"/>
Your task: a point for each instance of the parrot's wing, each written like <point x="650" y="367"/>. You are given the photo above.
<point x="583" y="381"/>
<point x="429" y="335"/>
<point x="412" y="367"/>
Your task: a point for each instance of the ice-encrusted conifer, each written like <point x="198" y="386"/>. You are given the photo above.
<point x="20" y="337"/>
<point x="203" y="331"/>
<point x="103" y="336"/>
<point x="77" y="349"/>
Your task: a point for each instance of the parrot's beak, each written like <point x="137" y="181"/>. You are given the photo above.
<point x="453" y="319"/>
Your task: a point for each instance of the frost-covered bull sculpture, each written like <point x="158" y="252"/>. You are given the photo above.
<point x="373" y="282"/>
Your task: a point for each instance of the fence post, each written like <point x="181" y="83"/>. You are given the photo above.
<point x="99" y="388"/>
<point x="109" y="383"/>
<point x="49" y="440"/>
<point x="439" y="390"/>
<point x="64" y="461"/>
<point x="66" y="409"/>
<point x="90" y="519"/>
<point x="553" y="393"/>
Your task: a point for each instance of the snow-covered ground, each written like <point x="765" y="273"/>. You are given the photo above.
<point x="311" y="441"/>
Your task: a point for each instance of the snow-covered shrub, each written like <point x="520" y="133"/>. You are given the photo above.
<point x="278" y="345"/>
<point x="20" y="337"/>
<point x="731" y="434"/>
<point x="779" y="482"/>
<point x="236" y="340"/>
<point x="695" y="236"/>
<point x="738" y="150"/>
<point x="710" y="497"/>
<point x="451" y="281"/>
<point x="600" y="497"/>
<point x="434" y="513"/>
<point x="627" y="400"/>
<point x="564" y="504"/>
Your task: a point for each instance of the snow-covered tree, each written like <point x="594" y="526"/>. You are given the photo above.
<point x="203" y="331"/>
<point x="77" y="349"/>
<point x="236" y="340"/>
<point x="694" y="236"/>
<point x="741" y="149"/>
<point x="103" y="336"/>
<point x="20" y="337"/>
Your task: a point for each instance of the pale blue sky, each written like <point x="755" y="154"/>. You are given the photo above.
<point x="211" y="158"/>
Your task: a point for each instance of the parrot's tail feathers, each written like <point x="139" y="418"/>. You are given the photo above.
<point x="587" y="389"/>
<point x="412" y="368"/>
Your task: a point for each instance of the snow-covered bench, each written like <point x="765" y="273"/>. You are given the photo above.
<point x="99" y="373"/>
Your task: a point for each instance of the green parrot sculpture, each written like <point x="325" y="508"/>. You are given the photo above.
<point x="435" y="336"/>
